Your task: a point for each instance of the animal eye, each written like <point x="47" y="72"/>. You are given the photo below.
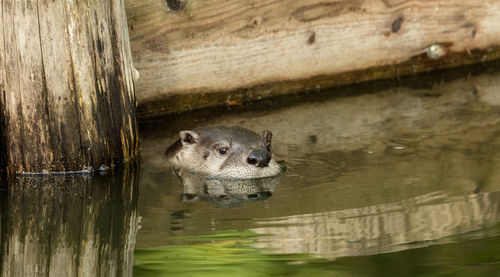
<point x="223" y="150"/>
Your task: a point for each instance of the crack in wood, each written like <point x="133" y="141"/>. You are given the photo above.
<point x="322" y="10"/>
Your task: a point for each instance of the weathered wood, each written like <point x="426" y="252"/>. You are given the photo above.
<point x="239" y="49"/>
<point x="67" y="91"/>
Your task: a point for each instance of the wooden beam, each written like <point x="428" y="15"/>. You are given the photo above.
<point x="67" y="94"/>
<point x="198" y="53"/>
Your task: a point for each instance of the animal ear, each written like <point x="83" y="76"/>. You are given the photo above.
<point x="188" y="137"/>
<point x="266" y="136"/>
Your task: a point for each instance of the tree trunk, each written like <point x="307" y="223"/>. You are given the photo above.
<point x="67" y="93"/>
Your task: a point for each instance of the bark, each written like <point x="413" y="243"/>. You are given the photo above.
<point x="67" y="93"/>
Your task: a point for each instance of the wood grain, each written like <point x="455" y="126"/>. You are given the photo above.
<point x="252" y="49"/>
<point x="67" y="91"/>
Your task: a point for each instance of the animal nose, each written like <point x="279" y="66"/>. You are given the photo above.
<point x="259" y="158"/>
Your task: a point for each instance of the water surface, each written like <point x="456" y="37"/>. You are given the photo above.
<point x="74" y="225"/>
<point x="401" y="182"/>
<point x="394" y="178"/>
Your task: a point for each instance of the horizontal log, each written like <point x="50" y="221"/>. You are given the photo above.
<point x="197" y="53"/>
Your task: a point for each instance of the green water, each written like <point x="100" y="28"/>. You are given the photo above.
<point x="233" y="255"/>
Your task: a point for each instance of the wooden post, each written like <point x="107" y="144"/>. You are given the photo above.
<point x="67" y="93"/>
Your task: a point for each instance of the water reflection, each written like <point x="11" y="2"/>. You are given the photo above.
<point x="75" y="225"/>
<point x="409" y="166"/>
<point x="225" y="192"/>
<point x="411" y="223"/>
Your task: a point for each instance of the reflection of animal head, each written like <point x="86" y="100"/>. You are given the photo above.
<point x="225" y="152"/>
<point x="225" y="192"/>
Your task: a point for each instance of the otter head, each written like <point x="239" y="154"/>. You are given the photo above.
<point x="225" y="152"/>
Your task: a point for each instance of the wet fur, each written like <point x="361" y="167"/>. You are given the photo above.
<point x="198" y="152"/>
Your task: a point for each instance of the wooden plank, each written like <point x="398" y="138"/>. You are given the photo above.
<point x="239" y="49"/>
<point x="66" y="80"/>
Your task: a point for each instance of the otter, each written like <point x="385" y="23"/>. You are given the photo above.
<point x="225" y="152"/>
